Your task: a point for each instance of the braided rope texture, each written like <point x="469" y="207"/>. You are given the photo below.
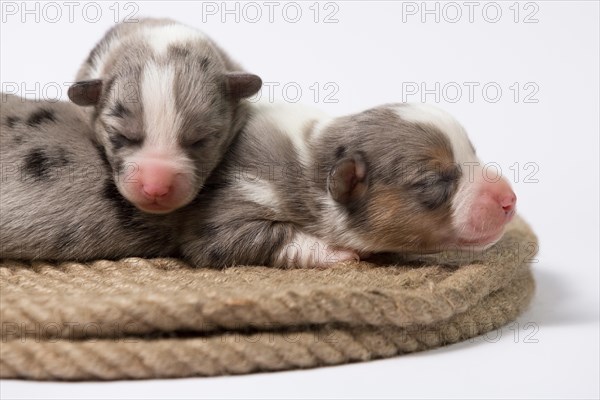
<point x="160" y="318"/>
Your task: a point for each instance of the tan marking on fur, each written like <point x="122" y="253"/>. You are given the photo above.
<point x="399" y="225"/>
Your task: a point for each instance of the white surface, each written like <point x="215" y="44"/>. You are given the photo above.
<point x="368" y="54"/>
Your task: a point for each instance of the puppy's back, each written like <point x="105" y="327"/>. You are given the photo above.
<point x="57" y="197"/>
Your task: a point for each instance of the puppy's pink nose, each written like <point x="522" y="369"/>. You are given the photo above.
<point x="508" y="202"/>
<point x="155" y="190"/>
<point x="503" y="195"/>
<point x="156" y="179"/>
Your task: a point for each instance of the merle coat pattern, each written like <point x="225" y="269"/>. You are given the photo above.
<point x="162" y="97"/>
<point x="58" y="199"/>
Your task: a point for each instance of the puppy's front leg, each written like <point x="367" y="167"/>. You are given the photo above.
<point x="261" y="242"/>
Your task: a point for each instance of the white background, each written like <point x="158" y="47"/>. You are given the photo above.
<point x="373" y="53"/>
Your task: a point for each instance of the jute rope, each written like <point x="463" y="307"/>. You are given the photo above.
<point x="159" y="318"/>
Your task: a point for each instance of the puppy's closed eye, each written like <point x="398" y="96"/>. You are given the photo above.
<point x="120" y="140"/>
<point x="434" y="189"/>
<point x="199" y="143"/>
<point x="202" y="138"/>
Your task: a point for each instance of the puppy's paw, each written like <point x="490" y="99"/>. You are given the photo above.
<point x="335" y="255"/>
<point x="309" y="251"/>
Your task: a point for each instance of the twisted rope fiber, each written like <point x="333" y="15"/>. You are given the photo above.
<point x="176" y="321"/>
<point x="239" y="353"/>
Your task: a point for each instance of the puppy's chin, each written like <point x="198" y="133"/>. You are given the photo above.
<point x="154" y="208"/>
<point x="480" y="243"/>
<point x="159" y="205"/>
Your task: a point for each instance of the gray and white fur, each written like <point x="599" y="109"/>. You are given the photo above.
<point x="296" y="188"/>
<point x="58" y="198"/>
<point x="165" y="102"/>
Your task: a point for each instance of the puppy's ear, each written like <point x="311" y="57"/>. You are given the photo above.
<point x="348" y="179"/>
<point x="241" y="84"/>
<point x="85" y="93"/>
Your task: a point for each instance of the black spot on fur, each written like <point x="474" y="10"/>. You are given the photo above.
<point x="178" y="52"/>
<point x="111" y="193"/>
<point x="36" y="164"/>
<point x="39" y="163"/>
<point x="119" y="110"/>
<point x="126" y="212"/>
<point x="41" y="116"/>
<point x="103" y="158"/>
<point x="157" y="238"/>
<point x="204" y="64"/>
<point x="340" y="152"/>
<point x="12" y="121"/>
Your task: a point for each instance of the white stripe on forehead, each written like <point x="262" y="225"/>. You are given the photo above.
<point x="161" y="120"/>
<point x="161" y="37"/>
<point x="427" y="114"/>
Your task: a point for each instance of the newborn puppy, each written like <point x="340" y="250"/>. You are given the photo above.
<point x="300" y="188"/>
<point x="58" y="198"/>
<point x="165" y="103"/>
<point x="296" y="188"/>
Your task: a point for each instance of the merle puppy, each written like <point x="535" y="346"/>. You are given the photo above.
<point x="165" y="102"/>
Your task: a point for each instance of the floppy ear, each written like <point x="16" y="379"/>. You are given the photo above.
<point x="241" y="84"/>
<point x="347" y="180"/>
<point x="85" y="93"/>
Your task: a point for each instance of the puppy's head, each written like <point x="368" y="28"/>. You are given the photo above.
<point x="165" y="119"/>
<point x="408" y="180"/>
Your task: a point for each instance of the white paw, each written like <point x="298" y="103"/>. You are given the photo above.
<point x="308" y="251"/>
<point x="335" y="255"/>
